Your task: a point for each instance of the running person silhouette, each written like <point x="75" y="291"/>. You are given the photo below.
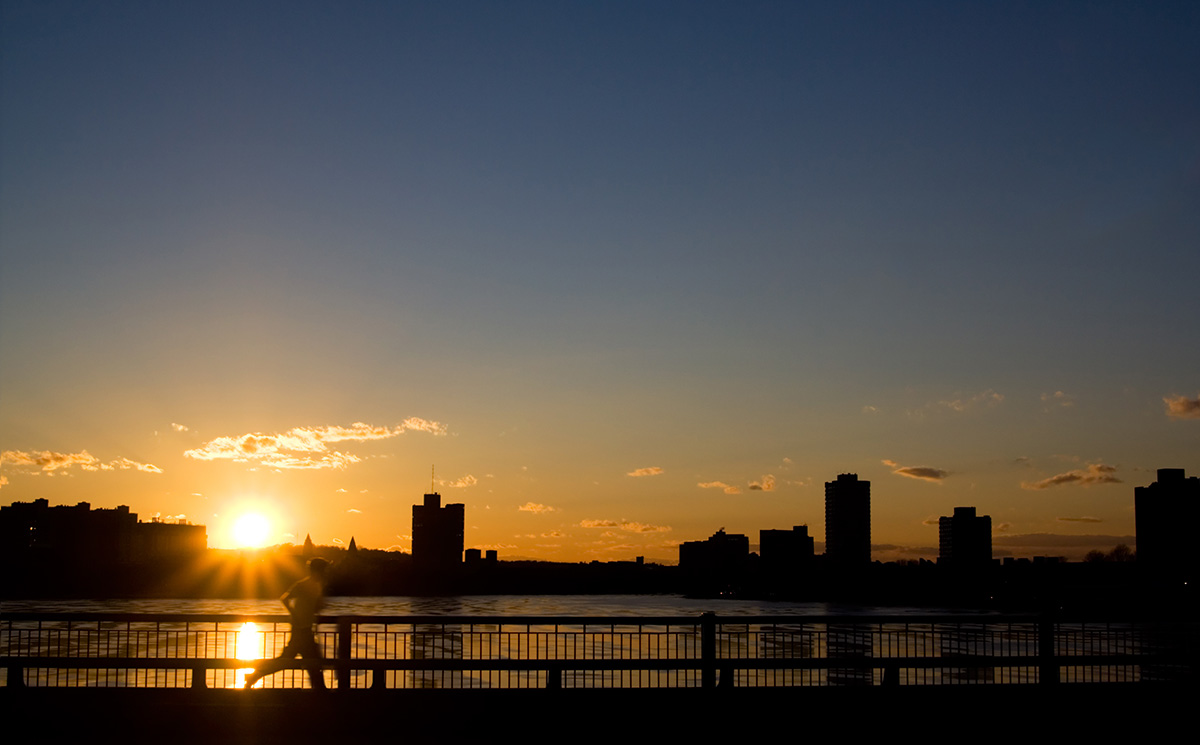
<point x="303" y="601"/>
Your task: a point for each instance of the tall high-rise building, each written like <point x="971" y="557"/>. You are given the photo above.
<point x="437" y="533"/>
<point x="965" y="539"/>
<point x="1165" y="515"/>
<point x="847" y="522"/>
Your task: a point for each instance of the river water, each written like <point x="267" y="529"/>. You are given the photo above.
<point x="480" y="605"/>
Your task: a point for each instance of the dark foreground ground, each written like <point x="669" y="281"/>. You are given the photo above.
<point x="960" y="714"/>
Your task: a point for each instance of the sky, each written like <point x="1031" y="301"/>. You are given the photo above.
<point x="613" y="275"/>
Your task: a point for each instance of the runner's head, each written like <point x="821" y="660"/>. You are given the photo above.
<point x="317" y="567"/>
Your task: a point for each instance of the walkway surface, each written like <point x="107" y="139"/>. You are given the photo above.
<point x="664" y="715"/>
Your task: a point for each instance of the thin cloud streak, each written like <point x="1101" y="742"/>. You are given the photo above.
<point x="727" y="488"/>
<point x="536" y="508"/>
<point x="48" y="461"/>
<point x="1095" y="473"/>
<point x="630" y="526"/>
<point x="648" y="471"/>
<point x="986" y="398"/>
<point x="924" y="473"/>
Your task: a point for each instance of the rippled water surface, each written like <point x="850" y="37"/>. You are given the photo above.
<point x="475" y="605"/>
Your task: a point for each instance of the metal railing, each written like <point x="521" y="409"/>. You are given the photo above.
<point x="377" y="652"/>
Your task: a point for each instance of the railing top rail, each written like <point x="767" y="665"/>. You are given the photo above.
<point x="514" y="620"/>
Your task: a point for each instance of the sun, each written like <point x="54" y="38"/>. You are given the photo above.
<point x="251" y="530"/>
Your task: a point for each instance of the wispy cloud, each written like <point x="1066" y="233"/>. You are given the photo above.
<point x="1058" y="399"/>
<point x="304" y="447"/>
<point x="536" y="508"/>
<point x="626" y="525"/>
<point x="1095" y="473"/>
<point x="49" y="461"/>
<point x="647" y="471"/>
<point x="924" y="473"/>
<point x="1079" y="519"/>
<point x="1182" y="407"/>
<point x="460" y="483"/>
<point x="727" y="488"/>
<point x="986" y="398"/>
<point x="766" y="483"/>
<point x="179" y="427"/>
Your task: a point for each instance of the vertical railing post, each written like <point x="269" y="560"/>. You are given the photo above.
<point x="343" y="652"/>
<point x="1047" y="659"/>
<point x="708" y="650"/>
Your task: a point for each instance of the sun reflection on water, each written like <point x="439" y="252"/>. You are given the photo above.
<point x="248" y="646"/>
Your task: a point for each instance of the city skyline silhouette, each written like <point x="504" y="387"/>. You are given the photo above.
<point x="626" y="273"/>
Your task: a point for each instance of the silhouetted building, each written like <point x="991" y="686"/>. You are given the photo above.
<point x="847" y="522"/>
<point x="721" y="551"/>
<point x="35" y="530"/>
<point x="785" y="549"/>
<point x="437" y="533"/>
<point x="965" y="539"/>
<point x="155" y="540"/>
<point x="1165" y="515"/>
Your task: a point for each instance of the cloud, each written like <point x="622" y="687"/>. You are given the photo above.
<point x="987" y="398"/>
<point x="3" y="481"/>
<point x="1182" y="407"/>
<point x="353" y="511"/>
<point x="304" y="447"/>
<point x="179" y="427"/>
<point x="924" y="473"/>
<point x="767" y="483"/>
<point x="460" y="483"/>
<point x="1079" y="519"/>
<point x="648" y="471"/>
<point x="536" y="508"/>
<point x="1058" y="398"/>
<point x="720" y="485"/>
<point x="1096" y="473"/>
<point x="868" y="409"/>
<point x="125" y="464"/>
<point x="636" y="527"/>
<point x="50" y="461"/>
<point x="626" y="525"/>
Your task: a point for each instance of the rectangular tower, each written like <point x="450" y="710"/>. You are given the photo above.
<point x="1165" y="515"/>
<point x="437" y="533"/>
<point x="847" y="522"/>
<point x="965" y="539"/>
